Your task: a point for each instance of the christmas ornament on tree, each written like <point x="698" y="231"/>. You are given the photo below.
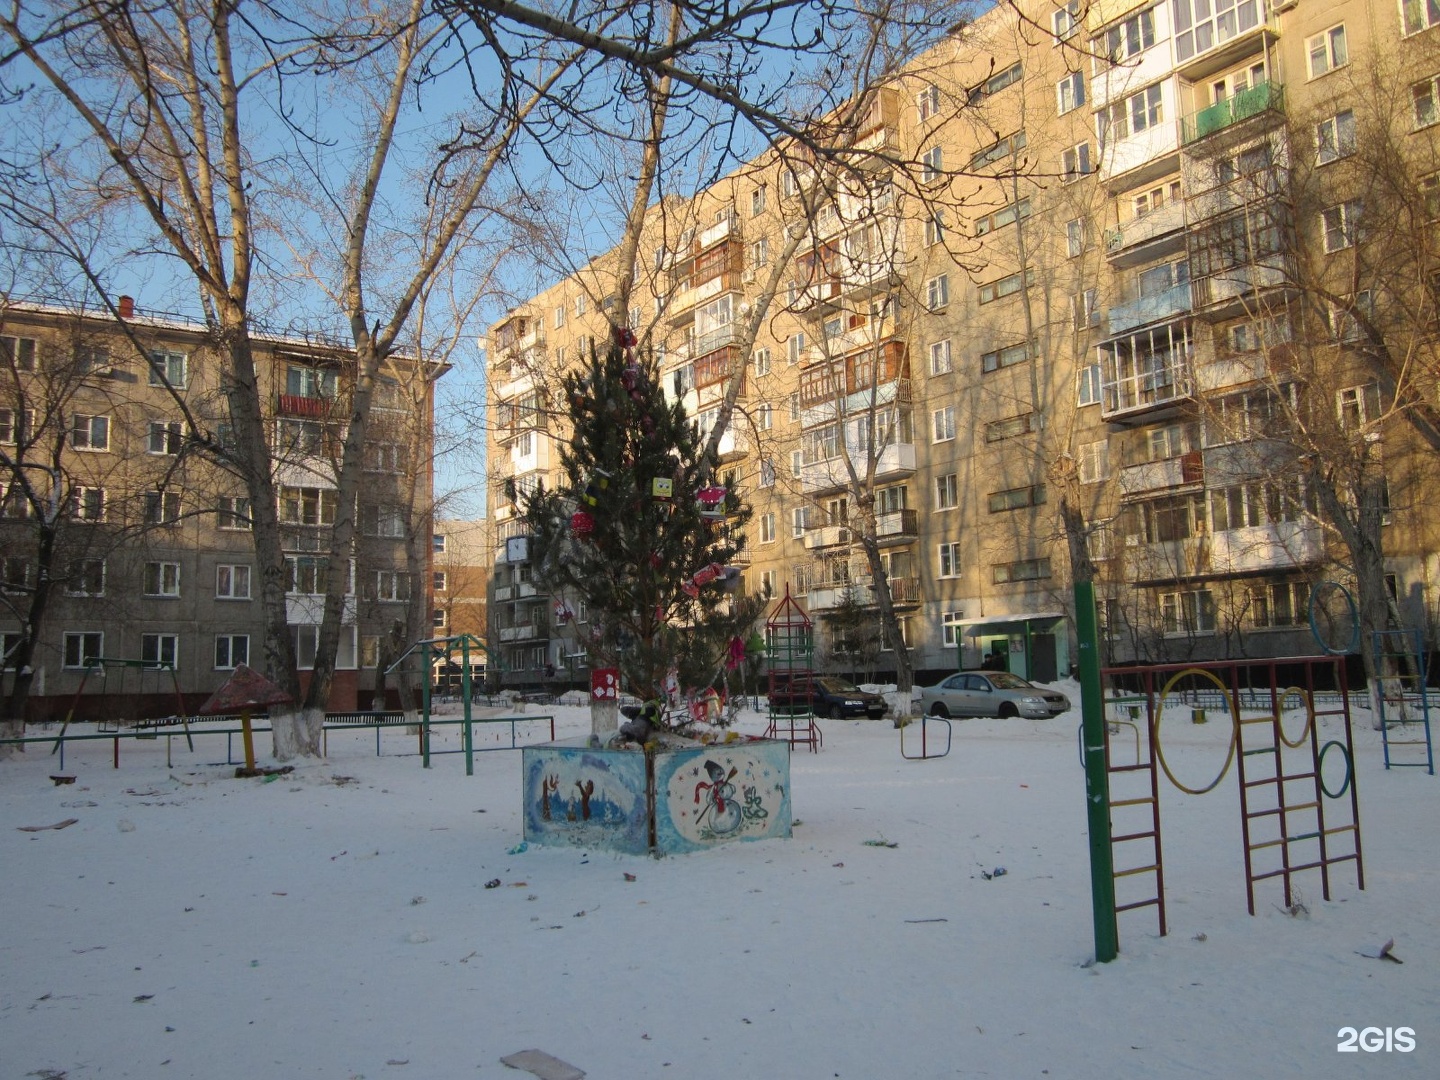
<point x="711" y="501"/>
<point x="582" y="524"/>
<point x="599" y="482"/>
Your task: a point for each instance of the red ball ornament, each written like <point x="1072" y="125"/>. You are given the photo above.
<point x="582" y="523"/>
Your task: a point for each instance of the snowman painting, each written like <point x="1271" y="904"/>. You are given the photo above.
<point x="723" y="809"/>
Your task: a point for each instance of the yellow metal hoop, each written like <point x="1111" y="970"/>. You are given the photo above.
<point x="1234" y="731"/>
<point x="1309" y="717"/>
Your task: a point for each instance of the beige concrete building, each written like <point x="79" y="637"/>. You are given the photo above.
<point x="1109" y="259"/>
<point x="154" y="557"/>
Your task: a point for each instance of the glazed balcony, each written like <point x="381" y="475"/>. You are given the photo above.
<point x="1265" y="99"/>
<point x="1144" y="310"/>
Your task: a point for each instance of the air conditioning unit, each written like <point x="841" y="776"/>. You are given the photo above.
<point x="1277" y="6"/>
<point x="747" y="277"/>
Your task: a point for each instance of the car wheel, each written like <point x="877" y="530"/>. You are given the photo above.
<point x="940" y="711"/>
<point x="1008" y="710"/>
<point x="835" y="712"/>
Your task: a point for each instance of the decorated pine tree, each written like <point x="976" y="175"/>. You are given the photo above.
<point x="642" y="532"/>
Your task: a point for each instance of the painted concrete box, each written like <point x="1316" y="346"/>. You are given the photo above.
<point x="683" y="796"/>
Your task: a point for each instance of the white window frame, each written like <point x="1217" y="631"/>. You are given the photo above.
<point x="161" y="642"/>
<point x="96" y="433"/>
<point x="1092" y="462"/>
<point x="84" y="653"/>
<point x="948" y="559"/>
<point x="228" y="579"/>
<point x="1076" y="162"/>
<point x="161" y="579"/>
<point x="927" y="102"/>
<point x="85" y="508"/>
<point x="762" y="361"/>
<point x="932" y="164"/>
<point x="1070" y="93"/>
<point x="942" y="424"/>
<point x="23" y="352"/>
<point x="937" y="292"/>
<point x="1065" y="21"/>
<point x="1330" y="48"/>
<point x="942" y="360"/>
<point x="1335" y="137"/>
<point x="77" y="588"/>
<point x="1425" y="103"/>
<point x="233" y="514"/>
<point x="1088" y="384"/>
<point x="230" y="661"/>
<point x="1418" y="15"/>
<point x="164" y="438"/>
<point x="947" y="491"/>
<point x="164" y="363"/>
<point x="767" y="527"/>
<point x="1340" y="225"/>
<point x="160" y="507"/>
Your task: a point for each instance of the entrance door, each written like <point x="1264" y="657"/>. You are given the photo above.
<point x="1043" y="666"/>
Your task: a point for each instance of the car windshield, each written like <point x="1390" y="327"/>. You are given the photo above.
<point x="1003" y="680"/>
<point x="839" y="686"/>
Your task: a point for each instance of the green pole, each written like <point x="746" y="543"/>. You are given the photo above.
<point x="465" y="694"/>
<point x="1097" y="781"/>
<point x="425" y="699"/>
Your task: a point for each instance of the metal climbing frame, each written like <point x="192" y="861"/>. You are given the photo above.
<point x="790" y="672"/>
<point x="1403" y="699"/>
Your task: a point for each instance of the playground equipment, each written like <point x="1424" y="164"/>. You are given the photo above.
<point x="790" y="663"/>
<point x="925" y="751"/>
<point x="444" y="648"/>
<point x="1403" y="700"/>
<point x="114" y="706"/>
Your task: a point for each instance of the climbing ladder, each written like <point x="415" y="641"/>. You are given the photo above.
<point x="1283" y="797"/>
<point x="1403" y="697"/>
<point x="790" y="659"/>
<point x="1135" y="813"/>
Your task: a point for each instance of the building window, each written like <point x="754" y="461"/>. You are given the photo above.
<point x="1085" y="308"/>
<point x="799" y="521"/>
<point x="947" y="491"/>
<point x="942" y="424"/>
<point x="1423" y="98"/>
<point x="161" y="507"/>
<point x="439" y="582"/>
<point x="1075" y="163"/>
<point x="83" y="648"/>
<point x="1417" y="15"/>
<point x="162" y="650"/>
<point x="15" y="574"/>
<point x="949" y="559"/>
<point x="231" y="650"/>
<point x="1335" y="135"/>
<point x="795" y="347"/>
<point x="1357" y="406"/>
<point x="1092" y="462"/>
<point x="15" y="504"/>
<point x="86" y="577"/>
<point x="1070" y="92"/>
<point x="1007" y="215"/>
<point x="88" y="504"/>
<point x="764" y="417"/>
<point x="233" y="513"/>
<point x="1016" y="498"/>
<point x="392" y="585"/>
<point x="1139" y="112"/>
<point x="16" y="425"/>
<point x="18" y="352"/>
<point x="309" y="382"/>
<point x="1340" y="225"/>
<point x="997" y="430"/>
<point x="581" y="305"/>
<point x="941" y="362"/>
<point x="1173" y="517"/>
<point x="1280" y="604"/>
<point x="307" y="506"/>
<point x="168" y="369"/>
<point x="767" y="473"/>
<point x="767" y="528"/>
<point x="1327" y="51"/>
<point x="385" y="520"/>
<point x="1187" y="612"/>
<point x="1200" y="25"/>
<point x="951" y="626"/>
<point x="927" y="102"/>
<point x="932" y="164"/>
<point x="162" y="579"/>
<point x="1021" y="570"/>
<point x="306" y="574"/>
<point x="1074" y="237"/>
<point x="999" y="150"/>
<point x="1088" y="385"/>
<point x="1006" y="286"/>
<point x="232" y="581"/>
<point x="1065" y="21"/>
<point x="937" y="292"/>
<point x="757" y="201"/>
<point x="995" y="83"/>
<point x="935" y="228"/>
<point x="996" y="359"/>
<point x="797" y="464"/>
<point x="762" y="361"/>
<point x="437" y="543"/>
<point x="89" y="432"/>
<point x="164" y="437"/>
<point x="1131" y="36"/>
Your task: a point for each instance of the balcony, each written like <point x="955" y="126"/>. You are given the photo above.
<point x="723" y="229"/>
<point x="1159" y="307"/>
<point x="1156" y="475"/>
<point x="896" y="461"/>
<point x="1149" y="237"/>
<point x="1262" y="99"/>
<point x="897" y="527"/>
<point x="531" y="631"/>
<point x="826" y="536"/>
<point x="1278" y="546"/>
<point x="303" y="405"/>
<point x="733" y="445"/>
<point x="1226" y="292"/>
<point x="904" y="593"/>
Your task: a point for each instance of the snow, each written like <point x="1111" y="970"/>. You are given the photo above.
<point x="335" y="923"/>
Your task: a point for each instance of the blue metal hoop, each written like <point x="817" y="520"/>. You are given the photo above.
<point x="1354" y="643"/>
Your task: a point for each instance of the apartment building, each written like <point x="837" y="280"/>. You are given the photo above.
<point x="1108" y="264"/>
<point x="154" y="557"/>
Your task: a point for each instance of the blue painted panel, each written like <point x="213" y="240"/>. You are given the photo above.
<point x="711" y="795"/>
<point x="587" y="797"/>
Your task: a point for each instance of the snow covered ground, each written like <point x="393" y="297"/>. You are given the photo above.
<point x="335" y="923"/>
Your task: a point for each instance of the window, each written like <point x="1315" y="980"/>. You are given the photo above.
<point x="83" y="648"/>
<point x="1092" y="462"/>
<point x="1417" y="15"/>
<point x="439" y="582"/>
<point x="1129" y="37"/>
<point x="1070" y="92"/>
<point x="233" y="513"/>
<point x="307" y="506"/>
<point x="947" y="491"/>
<point x="1006" y="286"/>
<point x="311" y="382"/>
<point x="162" y="579"/>
<point x="761" y="360"/>
<point x="757" y="201"/>
<point x="384" y="520"/>
<point x="1423" y="103"/>
<point x="1022" y="570"/>
<point x="935" y="228"/>
<point x="995" y="83"/>
<point x="168" y="369"/>
<point x="941" y="362"/>
<point x="437" y="543"/>
<point x="559" y="316"/>
<point x="392" y="585"/>
<point x="392" y="457"/>
<point x="232" y="581"/>
<point x="1006" y="357"/>
<point x="1258" y="334"/>
<point x="997" y="430"/>
<point x="1335" y="136"/>
<point x="767" y="473"/>
<point x="767" y="528"/>
<point x="1161" y="278"/>
<point x="1088" y="385"/>
<point x="10" y="430"/>
<point x="1074" y="237"/>
<point x="87" y="504"/>
<point x="1147" y="202"/>
<point x="89" y="432"/>
<point x="1280" y="604"/>
<point x="795" y="347"/>
<point x="1340" y="225"/>
<point x="231" y="650"/>
<point x="1172" y="517"/>
<point x="797" y="464"/>
<point x="1200" y="25"/>
<point x="15" y="504"/>
<point x="160" y="649"/>
<point x="937" y="292"/>
<point x="949" y="559"/>
<point x="581" y="305"/>
<point x="1065" y="21"/>
<point x="799" y="521"/>
<point x="306" y="574"/>
<point x="769" y="582"/>
<point x="942" y="423"/>
<point x="1188" y="612"/>
<point x="1075" y="163"/>
<point x="764" y="417"/>
<point x="1002" y="148"/>
<point x="1016" y="498"/>
<point x="15" y="574"/>
<point x="1085" y="308"/>
<point x="1357" y="406"/>
<point x="161" y="507"/>
<point x="9" y="644"/>
<point x="1137" y="113"/>
<point x="1000" y="218"/>
<point x="927" y="102"/>
<point x="165" y="437"/>
<point x="85" y="577"/>
<point x="18" y="352"/>
<point x="932" y="164"/>
<point x="1327" y="51"/>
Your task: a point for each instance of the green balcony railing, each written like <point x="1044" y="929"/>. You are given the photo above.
<point x="1260" y="98"/>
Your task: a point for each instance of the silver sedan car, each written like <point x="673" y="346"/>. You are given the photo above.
<point x="991" y="693"/>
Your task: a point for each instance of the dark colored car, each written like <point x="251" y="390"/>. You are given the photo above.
<point x="827" y="695"/>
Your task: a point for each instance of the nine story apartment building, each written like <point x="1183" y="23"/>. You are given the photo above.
<point x="1122" y="299"/>
<point x="154" y="558"/>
